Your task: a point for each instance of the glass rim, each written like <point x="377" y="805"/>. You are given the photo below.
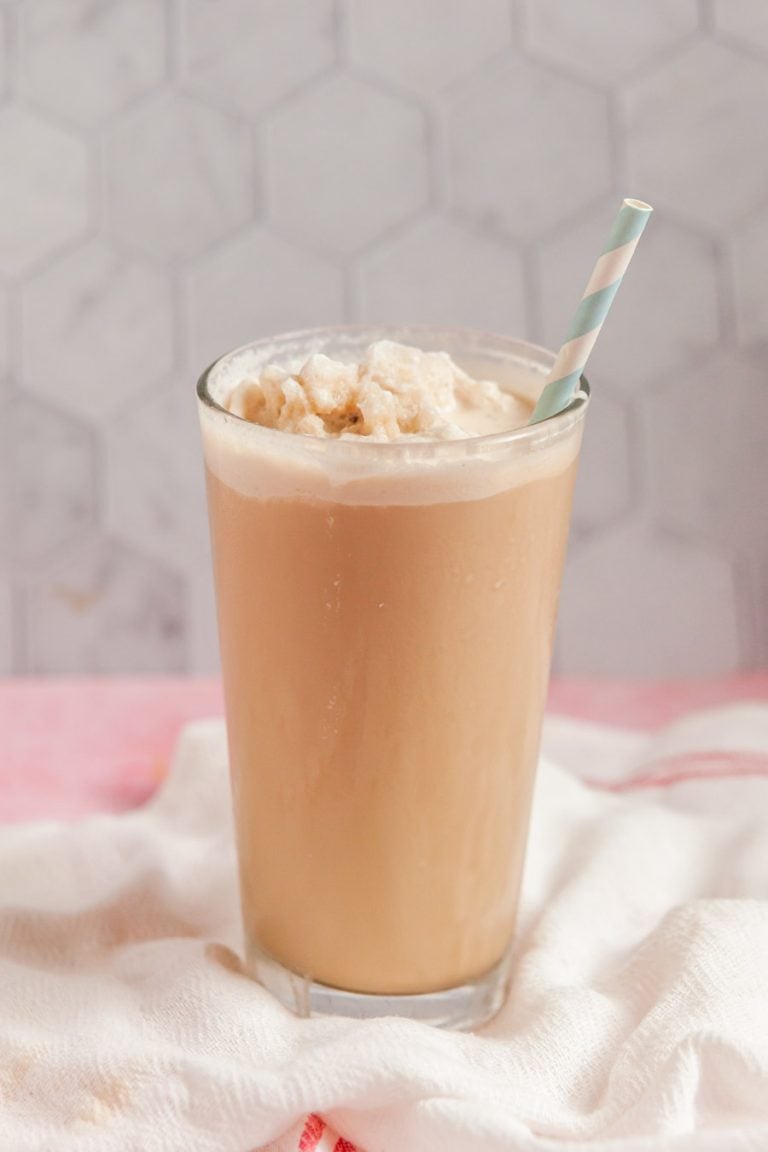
<point x="551" y="428"/>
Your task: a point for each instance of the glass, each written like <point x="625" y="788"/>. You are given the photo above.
<point x="386" y="614"/>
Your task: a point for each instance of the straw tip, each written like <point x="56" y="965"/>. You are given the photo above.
<point x="638" y="205"/>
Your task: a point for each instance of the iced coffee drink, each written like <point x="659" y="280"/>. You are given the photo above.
<point x="388" y="539"/>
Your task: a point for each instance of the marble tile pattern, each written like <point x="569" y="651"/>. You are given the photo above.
<point x="179" y="176"/>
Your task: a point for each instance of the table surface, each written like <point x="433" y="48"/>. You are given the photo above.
<point x="72" y="747"/>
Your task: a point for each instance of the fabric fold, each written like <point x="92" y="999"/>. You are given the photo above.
<point x="637" y="1019"/>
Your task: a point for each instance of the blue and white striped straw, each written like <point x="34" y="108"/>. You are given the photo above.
<point x="594" y="307"/>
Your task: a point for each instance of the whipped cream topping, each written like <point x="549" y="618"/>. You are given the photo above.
<point x="396" y="392"/>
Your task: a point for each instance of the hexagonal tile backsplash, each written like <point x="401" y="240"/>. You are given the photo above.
<point x="181" y="175"/>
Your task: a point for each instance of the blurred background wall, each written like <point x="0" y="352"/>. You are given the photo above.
<point x="177" y="178"/>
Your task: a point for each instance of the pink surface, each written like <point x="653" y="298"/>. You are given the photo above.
<point x="70" y="747"/>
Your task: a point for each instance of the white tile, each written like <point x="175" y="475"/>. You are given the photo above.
<point x="4" y="51"/>
<point x="749" y="255"/>
<point x="43" y="191"/>
<point x="526" y="147"/>
<point x="698" y="134"/>
<point x="97" y="329"/>
<point x="345" y="162"/>
<point x="48" y="459"/>
<point x="606" y="42"/>
<point x="752" y="587"/>
<point x="5" y="332"/>
<point x="398" y="40"/>
<point x="251" y="55"/>
<point x="7" y="480"/>
<point x="178" y="176"/>
<point x="638" y="605"/>
<point x="442" y="272"/>
<point x="655" y="325"/>
<point x="760" y="616"/>
<point x="604" y="491"/>
<point x="107" y="610"/>
<point x="87" y="59"/>
<point x="6" y="629"/>
<point x="257" y="285"/>
<point x="155" y="492"/>
<point x="707" y="448"/>
<point x="746" y="20"/>
<point x="520" y="147"/>
<point x="202" y="635"/>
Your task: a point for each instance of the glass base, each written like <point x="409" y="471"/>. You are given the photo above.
<point x="461" y="1008"/>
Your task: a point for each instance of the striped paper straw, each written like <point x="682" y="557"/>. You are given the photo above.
<point x="595" y="304"/>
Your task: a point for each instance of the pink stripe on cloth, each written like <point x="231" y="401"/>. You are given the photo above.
<point x="688" y="766"/>
<point x="312" y="1134"/>
<point x="317" y="1136"/>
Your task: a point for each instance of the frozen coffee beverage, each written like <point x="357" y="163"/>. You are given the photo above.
<point x="388" y="538"/>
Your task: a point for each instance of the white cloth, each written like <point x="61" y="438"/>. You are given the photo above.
<point x="638" y="1017"/>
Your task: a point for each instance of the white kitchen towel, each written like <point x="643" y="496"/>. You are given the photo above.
<point x="637" y="1020"/>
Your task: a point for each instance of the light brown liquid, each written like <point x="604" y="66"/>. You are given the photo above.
<point x="385" y="670"/>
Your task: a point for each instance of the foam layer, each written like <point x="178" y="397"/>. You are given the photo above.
<point x="400" y="426"/>
<point x="395" y="392"/>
